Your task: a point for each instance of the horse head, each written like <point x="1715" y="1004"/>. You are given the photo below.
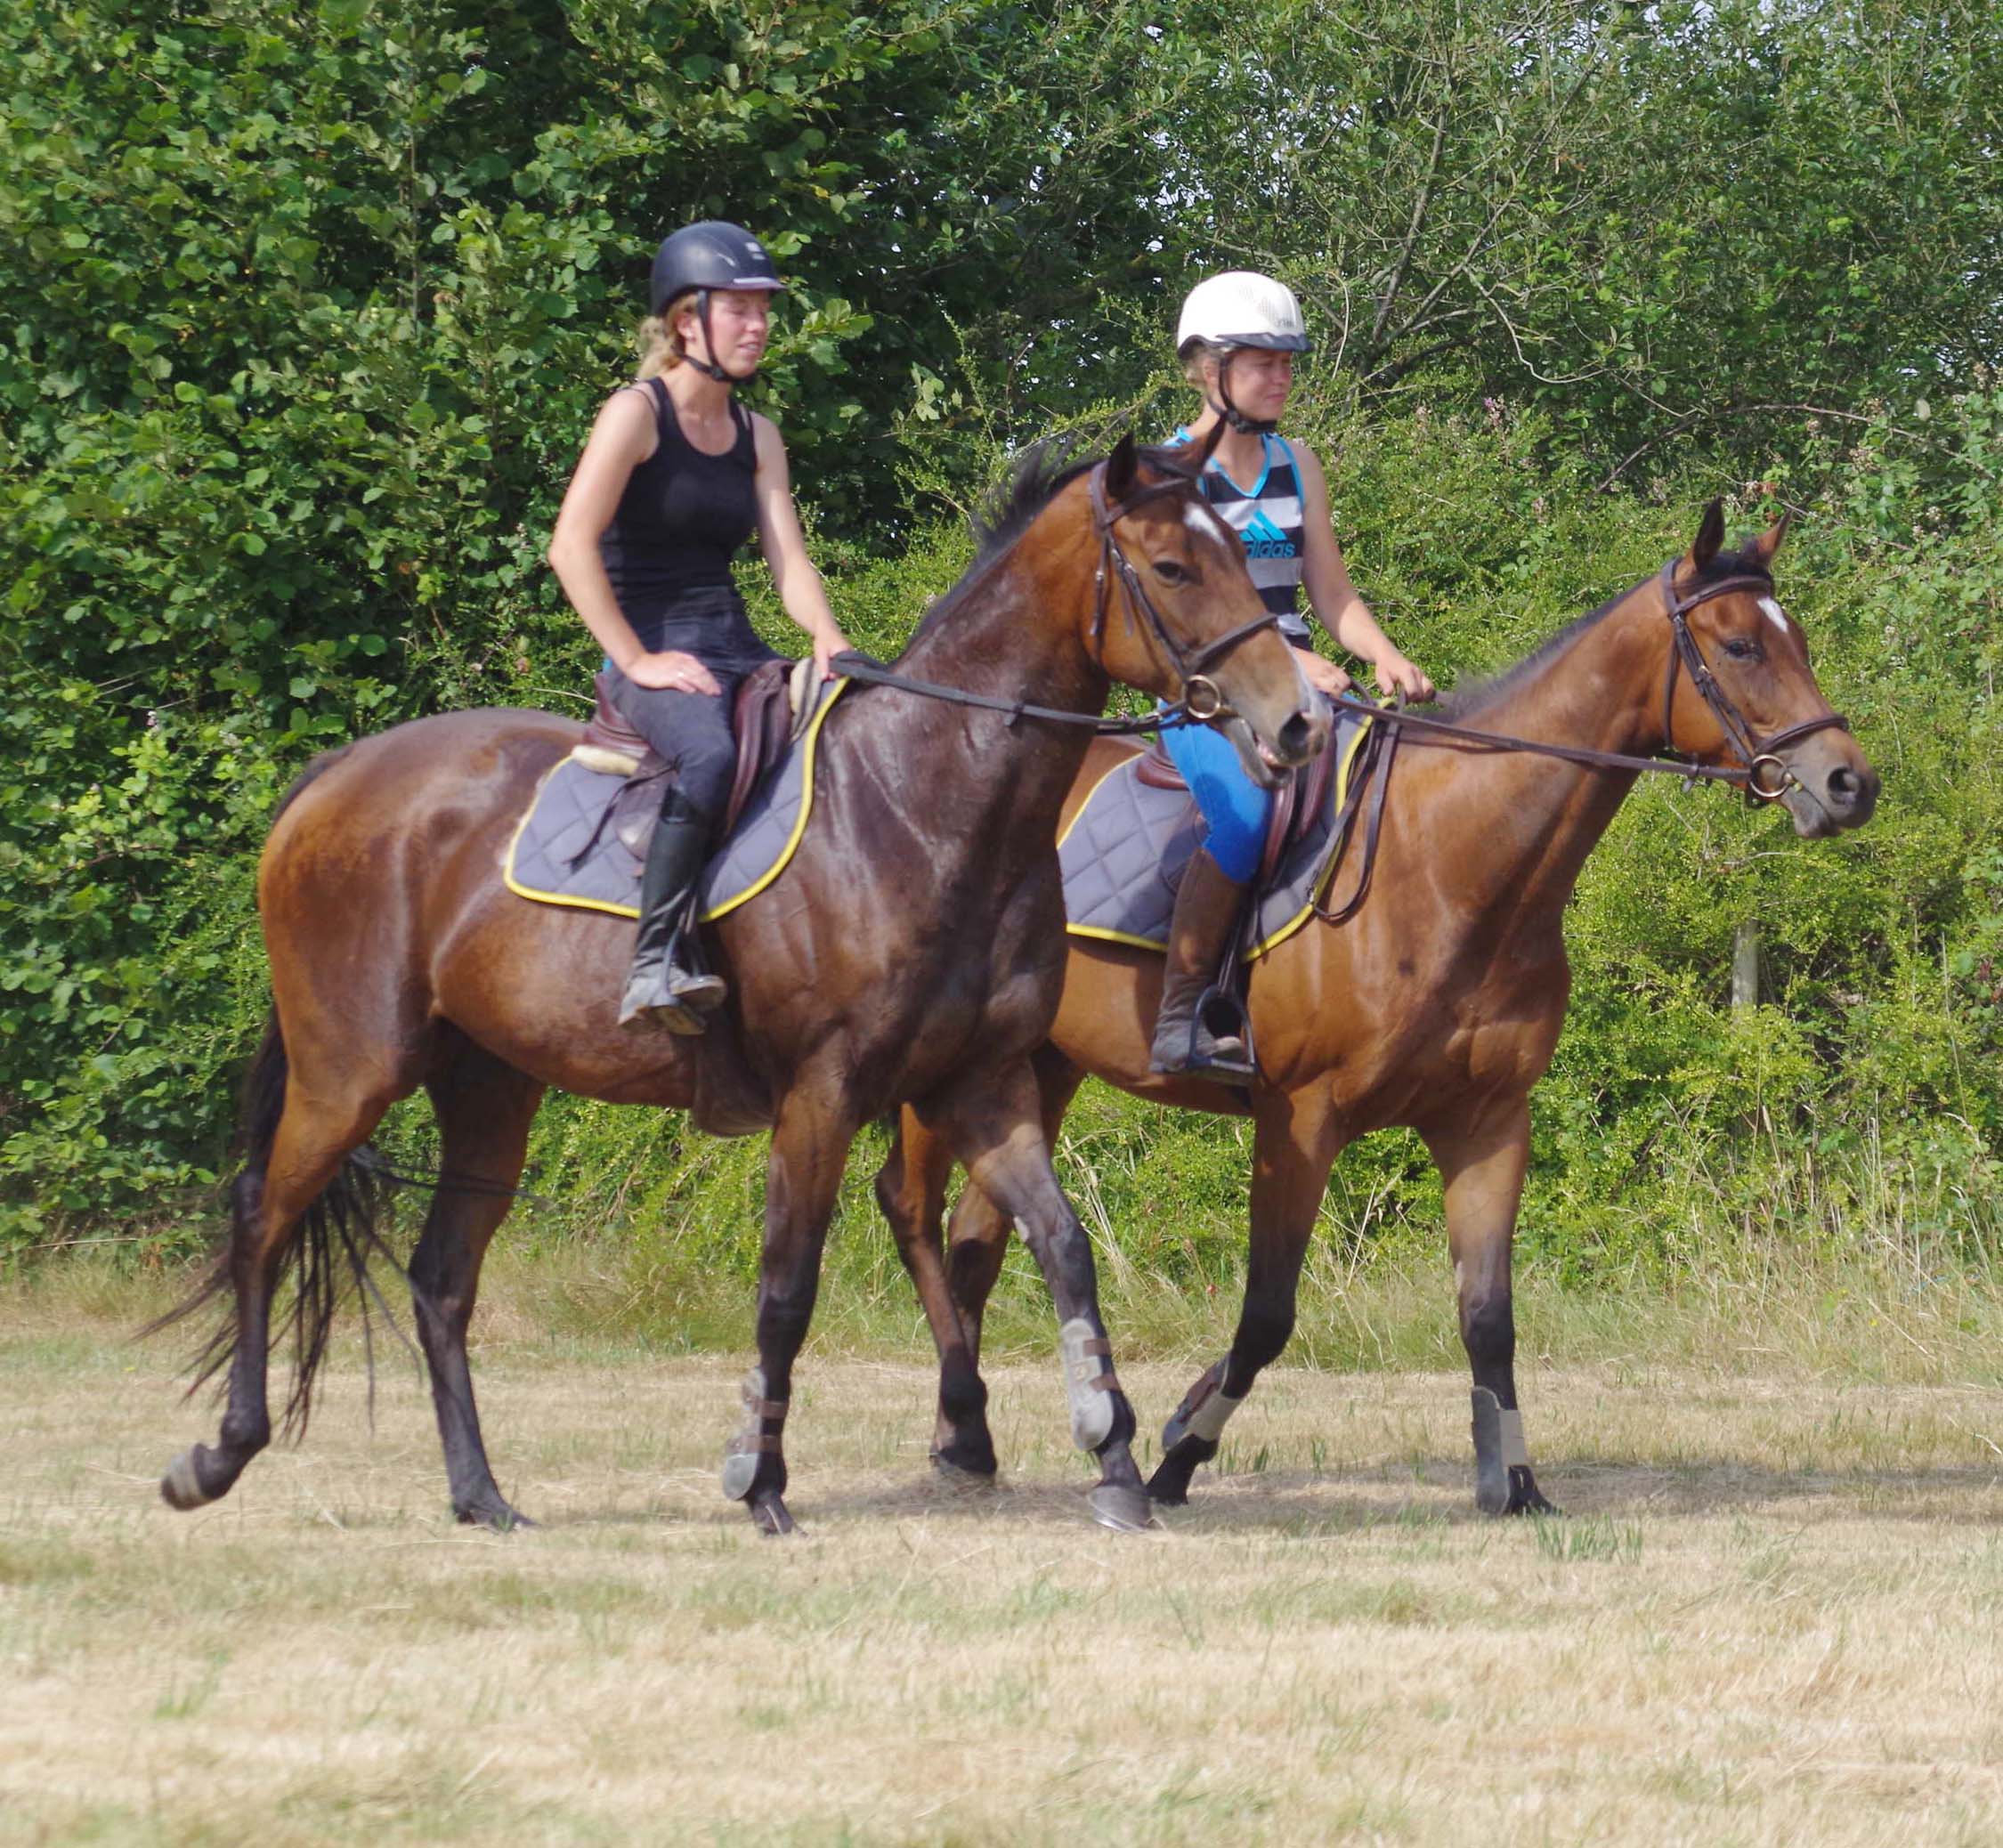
<point x="1175" y="614"/>
<point x="1738" y="687"/>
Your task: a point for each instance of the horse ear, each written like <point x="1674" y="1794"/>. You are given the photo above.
<point x="1710" y="536"/>
<point x="1123" y="469"/>
<point x="1763" y="548"/>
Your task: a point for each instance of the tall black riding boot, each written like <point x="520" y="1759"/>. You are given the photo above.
<point x="1201" y="1031"/>
<point x="667" y="985"/>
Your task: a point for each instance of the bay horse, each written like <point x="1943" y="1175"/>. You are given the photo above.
<point x="1437" y="1005"/>
<point x="908" y="956"/>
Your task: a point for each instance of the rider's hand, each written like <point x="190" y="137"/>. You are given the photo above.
<point x="1395" y="674"/>
<point x="829" y="643"/>
<point x="672" y="670"/>
<point x="1323" y="675"/>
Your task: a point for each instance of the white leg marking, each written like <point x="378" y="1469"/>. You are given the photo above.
<point x="1209" y="1419"/>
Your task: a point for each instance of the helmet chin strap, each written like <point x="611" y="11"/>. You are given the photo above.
<point x="708" y="366"/>
<point x="1228" y="409"/>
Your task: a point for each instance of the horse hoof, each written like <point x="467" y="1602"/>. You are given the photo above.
<point x="1528" y="1499"/>
<point x="496" y="1517"/>
<point x="182" y="1486"/>
<point x="769" y="1516"/>
<point x="958" y="1477"/>
<point x="1168" y="1491"/>
<point x="1126" y="1510"/>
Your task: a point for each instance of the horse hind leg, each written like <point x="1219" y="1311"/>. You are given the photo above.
<point x="910" y="1190"/>
<point x="300" y="1204"/>
<point x="1483" y="1167"/>
<point x="484" y="1109"/>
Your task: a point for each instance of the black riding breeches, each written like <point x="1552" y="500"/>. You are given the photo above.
<point x="691" y="731"/>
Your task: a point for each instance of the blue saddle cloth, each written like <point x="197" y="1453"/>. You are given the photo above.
<point x="1126" y="850"/>
<point x="566" y="851"/>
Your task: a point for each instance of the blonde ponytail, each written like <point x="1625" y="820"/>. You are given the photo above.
<point x="660" y="346"/>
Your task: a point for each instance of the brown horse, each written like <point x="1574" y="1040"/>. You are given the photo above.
<point x="1439" y="1003"/>
<point x="907" y="957"/>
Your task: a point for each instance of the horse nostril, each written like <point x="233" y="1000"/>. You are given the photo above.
<point x="1296" y="737"/>
<point x="1845" y="786"/>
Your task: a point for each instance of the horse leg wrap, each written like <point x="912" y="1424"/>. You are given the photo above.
<point x="1088" y="1381"/>
<point x="1203" y="1414"/>
<point x="741" y="1453"/>
<point x="1498" y="1450"/>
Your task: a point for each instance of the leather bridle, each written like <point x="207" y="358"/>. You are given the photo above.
<point x="1201" y="698"/>
<point x="1686" y="657"/>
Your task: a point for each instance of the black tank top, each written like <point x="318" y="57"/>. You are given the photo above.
<point x="682" y="518"/>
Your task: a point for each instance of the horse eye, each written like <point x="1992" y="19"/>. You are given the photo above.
<point x="1742" y="648"/>
<point x="1170" y="572"/>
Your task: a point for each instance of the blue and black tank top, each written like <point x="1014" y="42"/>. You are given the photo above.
<point x="1268" y="518"/>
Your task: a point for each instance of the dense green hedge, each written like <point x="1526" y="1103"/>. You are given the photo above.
<point x="302" y="315"/>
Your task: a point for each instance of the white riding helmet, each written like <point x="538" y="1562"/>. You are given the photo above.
<point x="1242" y="308"/>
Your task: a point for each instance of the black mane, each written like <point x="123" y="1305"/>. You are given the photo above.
<point x="1046" y="469"/>
<point x="1463" y="702"/>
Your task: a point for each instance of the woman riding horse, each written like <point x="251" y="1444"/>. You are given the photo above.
<point x="676" y="476"/>
<point x="1237" y="339"/>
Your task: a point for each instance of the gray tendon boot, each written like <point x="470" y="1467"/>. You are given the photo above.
<point x="1200" y="1030"/>
<point x="667" y="985"/>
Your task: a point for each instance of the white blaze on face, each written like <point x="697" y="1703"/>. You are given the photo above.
<point x="1201" y="521"/>
<point x="1775" y="614"/>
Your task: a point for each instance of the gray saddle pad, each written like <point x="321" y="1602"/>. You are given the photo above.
<point x="1126" y="850"/>
<point x="566" y="851"/>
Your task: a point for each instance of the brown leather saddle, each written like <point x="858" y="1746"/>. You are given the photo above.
<point x="763" y="718"/>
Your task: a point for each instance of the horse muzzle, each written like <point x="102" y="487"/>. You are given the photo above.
<point x="1829" y="787"/>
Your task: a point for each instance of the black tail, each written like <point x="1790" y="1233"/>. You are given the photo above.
<point x="326" y="1251"/>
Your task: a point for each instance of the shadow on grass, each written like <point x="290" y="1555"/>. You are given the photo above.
<point x="1437" y="1493"/>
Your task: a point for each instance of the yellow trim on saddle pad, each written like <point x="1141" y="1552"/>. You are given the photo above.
<point x="808" y="742"/>
<point x="1099" y="934"/>
<point x="1097" y="931"/>
<point x="808" y="745"/>
<point x="1328" y="872"/>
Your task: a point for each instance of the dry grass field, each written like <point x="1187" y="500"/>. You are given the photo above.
<point x="1773" y="1613"/>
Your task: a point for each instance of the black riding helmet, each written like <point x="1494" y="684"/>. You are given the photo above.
<point x="703" y="257"/>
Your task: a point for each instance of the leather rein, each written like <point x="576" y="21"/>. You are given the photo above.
<point x="1202" y="700"/>
<point x="1755" y="754"/>
<point x="1685" y="657"/>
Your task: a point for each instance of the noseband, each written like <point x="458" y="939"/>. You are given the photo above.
<point x="1684" y="656"/>
<point x="1201" y="697"/>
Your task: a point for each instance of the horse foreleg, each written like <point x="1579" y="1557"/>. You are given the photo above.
<point x="911" y="1189"/>
<point x="484" y="1108"/>
<point x="1294" y="1146"/>
<point x="1483" y="1167"/>
<point x="998" y="1134"/>
<point x="803" y="1173"/>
